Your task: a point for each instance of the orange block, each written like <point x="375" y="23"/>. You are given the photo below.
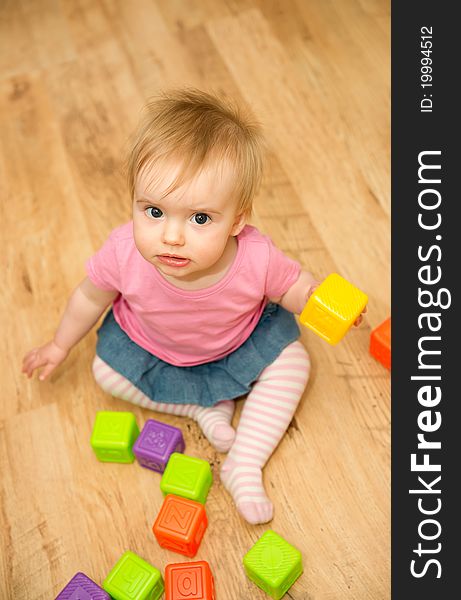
<point x="180" y="525"/>
<point x="189" y="581"/>
<point x="380" y="343"/>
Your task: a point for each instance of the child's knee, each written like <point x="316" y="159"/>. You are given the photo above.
<point x="293" y="364"/>
<point x="102" y="373"/>
<point x="302" y="356"/>
<point x="296" y="358"/>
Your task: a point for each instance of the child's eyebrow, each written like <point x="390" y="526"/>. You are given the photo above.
<point x="205" y="210"/>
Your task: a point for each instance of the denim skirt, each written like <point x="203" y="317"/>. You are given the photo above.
<point x="207" y="383"/>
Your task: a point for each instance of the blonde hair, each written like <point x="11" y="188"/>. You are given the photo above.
<point x="197" y="129"/>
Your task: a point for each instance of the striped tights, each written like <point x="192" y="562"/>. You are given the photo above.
<point x="265" y="417"/>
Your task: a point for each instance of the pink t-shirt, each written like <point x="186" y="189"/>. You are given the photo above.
<point x="190" y="327"/>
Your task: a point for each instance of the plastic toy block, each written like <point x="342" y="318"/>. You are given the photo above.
<point x="132" y="578"/>
<point x="273" y="564"/>
<point x="114" y="434"/>
<point x="332" y="309"/>
<point x="156" y="443"/>
<point x="188" y="477"/>
<point x="81" y="587"/>
<point x="180" y="525"/>
<point x="189" y="581"/>
<point x="380" y="343"/>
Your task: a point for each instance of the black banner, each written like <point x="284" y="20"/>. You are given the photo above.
<point x="426" y="330"/>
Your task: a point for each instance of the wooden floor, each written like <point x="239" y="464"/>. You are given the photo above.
<point x="73" y="77"/>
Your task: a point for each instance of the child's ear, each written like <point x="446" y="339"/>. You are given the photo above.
<point x="239" y="224"/>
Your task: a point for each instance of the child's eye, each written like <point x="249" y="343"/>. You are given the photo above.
<point x="154" y="212"/>
<point x="200" y="218"/>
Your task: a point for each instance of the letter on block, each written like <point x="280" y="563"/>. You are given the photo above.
<point x="132" y="578"/>
<point x="332" y="309"/>
<point x="156" y="443"/>
<point x="380" y="343"/>
<point x="189" y="581"/>
<point x="83" y="588"/>
<point x="273" y="564"/>
<point x="180" y="525"/>
<point x="188" y="477"/>
<point x="114" y="434"/>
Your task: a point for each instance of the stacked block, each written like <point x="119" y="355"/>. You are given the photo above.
<point x="114" y="434"/>
<point x="380" y="343"/>
<point x="82" y="587"/>
<point x="156" y="443"/>
<point x="332" y="309"/>
<point x="188" y="477"/>
<point x="180" y="525"/>
<point x="273" y="564"/>
<point x="132" y="578"/>
<point x="189" y="581"/>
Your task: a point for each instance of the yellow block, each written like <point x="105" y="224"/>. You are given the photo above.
<point x="332" y="309"/>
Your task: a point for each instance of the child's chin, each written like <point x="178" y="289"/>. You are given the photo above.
<point x="177" y="272"/>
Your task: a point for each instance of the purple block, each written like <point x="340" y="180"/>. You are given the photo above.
<point x="156" y="443"/>
<point x="81" y="587"/>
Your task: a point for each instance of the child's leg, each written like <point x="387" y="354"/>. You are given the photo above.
<point x="266" y="414"/>
<point x="214" y="421"/>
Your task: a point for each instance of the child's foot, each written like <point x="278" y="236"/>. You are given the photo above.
<point x="215" y="424"/>
<point x="244" y="483"/>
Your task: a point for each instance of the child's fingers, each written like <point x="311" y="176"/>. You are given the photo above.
<point x="311" y="290"/>
<point x="26" y="364"/>
<point x="32" y="362"/>
<point x="27" y="359"/>
<point x="47" y="370"/>
<point x="359" y="319"/>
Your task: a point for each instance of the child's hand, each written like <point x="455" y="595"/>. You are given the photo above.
<point x="359" y="319"/>
<point x="48" y="356"/>
<point x="312" y="289"/>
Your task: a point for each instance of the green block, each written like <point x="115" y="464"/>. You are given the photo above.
<point x="273" y="564"/>
<point x="132" y="578"/>
<point x="114" y="434"/>
<point x="187" y="476"/>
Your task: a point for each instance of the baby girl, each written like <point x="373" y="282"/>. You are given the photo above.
<point x="201" y="303"/>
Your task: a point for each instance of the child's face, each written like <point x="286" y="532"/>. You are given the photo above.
<point x="185" y="233"/>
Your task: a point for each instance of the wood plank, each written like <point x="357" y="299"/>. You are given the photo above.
<point x="34" y="35"/>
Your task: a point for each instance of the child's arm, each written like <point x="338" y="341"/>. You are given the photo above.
<point x="295" y="298"/>
<point x="85" y="306"/>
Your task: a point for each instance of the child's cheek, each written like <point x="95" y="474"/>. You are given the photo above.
<point x="142" y="239"/>
<point x="217" y="243"/>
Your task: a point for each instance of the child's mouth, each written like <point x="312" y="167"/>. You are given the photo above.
<point x="173" y="261"/>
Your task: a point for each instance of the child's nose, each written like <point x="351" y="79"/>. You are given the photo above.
<point x="173" y="234"/>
